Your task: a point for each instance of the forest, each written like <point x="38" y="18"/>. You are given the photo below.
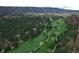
<point x="39" y="34"/>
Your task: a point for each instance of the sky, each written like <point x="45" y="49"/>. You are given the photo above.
<point x="66" y="4"/>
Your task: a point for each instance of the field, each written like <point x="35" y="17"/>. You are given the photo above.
<point x="51" y="14"/>
<point x="39" y="33"/>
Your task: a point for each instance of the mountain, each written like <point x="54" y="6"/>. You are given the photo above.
<point x="19" y="10"/>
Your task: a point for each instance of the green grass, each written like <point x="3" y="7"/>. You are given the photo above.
<point x="28" y="46"/>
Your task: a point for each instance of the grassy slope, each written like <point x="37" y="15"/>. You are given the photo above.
<point x="28" y="46"/>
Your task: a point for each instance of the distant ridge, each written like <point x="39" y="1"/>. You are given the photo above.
<point x="20" y="10"/>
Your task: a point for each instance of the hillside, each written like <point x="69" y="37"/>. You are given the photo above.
<point x="19" y="10"/>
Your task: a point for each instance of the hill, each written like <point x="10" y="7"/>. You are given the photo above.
<point x="20" y="10"/>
